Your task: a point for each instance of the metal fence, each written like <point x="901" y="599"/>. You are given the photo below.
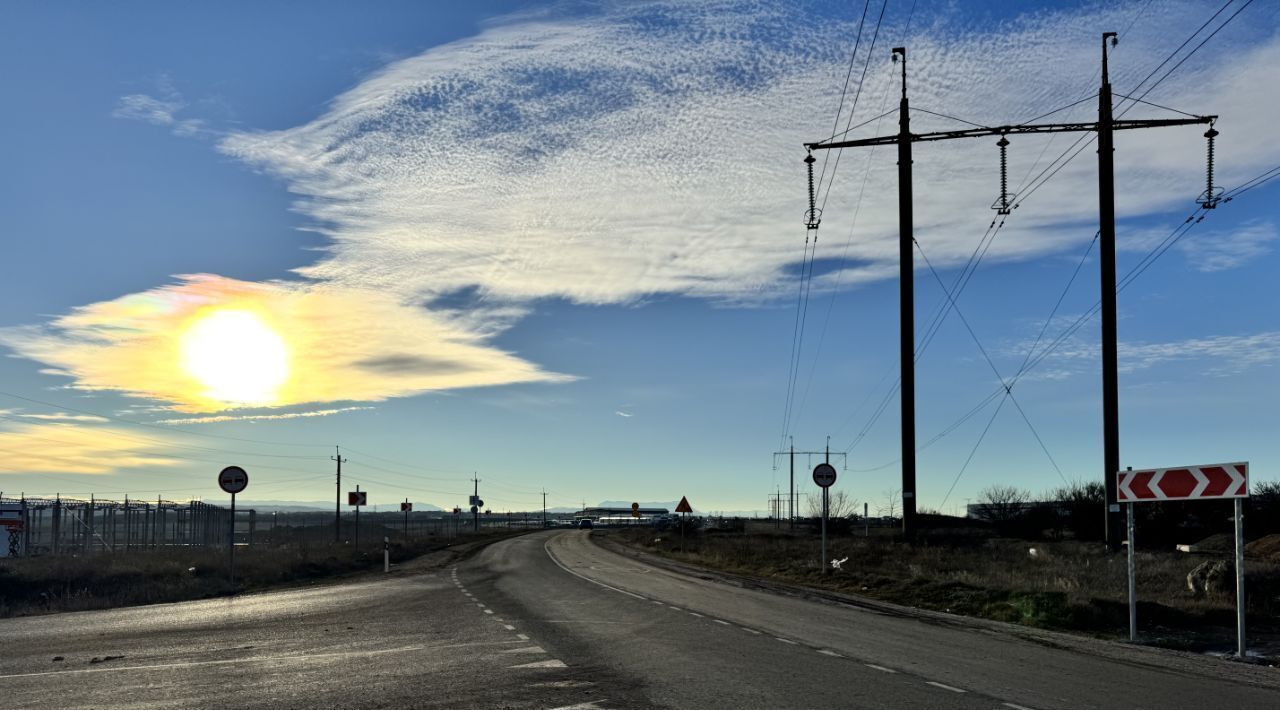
<point x="36" y="526"/>
<point x="60" y="526"/>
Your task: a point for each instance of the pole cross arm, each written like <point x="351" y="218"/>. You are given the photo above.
<point x="1005" y="130"/>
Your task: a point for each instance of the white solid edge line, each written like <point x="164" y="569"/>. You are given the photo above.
<point x="547" y="549"/>
<point x="880" y="668"/>
<point x="945" y="686"/>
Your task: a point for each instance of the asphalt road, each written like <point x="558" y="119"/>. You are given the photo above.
<point x="552" y="620"/>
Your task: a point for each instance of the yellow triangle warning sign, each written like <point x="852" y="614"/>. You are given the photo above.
<point x="684" y="506"/>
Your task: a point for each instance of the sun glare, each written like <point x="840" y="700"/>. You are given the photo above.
<point x="236" y="356"/>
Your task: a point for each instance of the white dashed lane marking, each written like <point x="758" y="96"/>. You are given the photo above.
<point x="793" y="643"/>
<point x="833" y="654"/>
<point x="522" y="637"/>
<point x="1015" y="706"/>
<point x="509" y="627"/>
<point x="552" y="663"/>
<point x="944" y="687"/>
<point x="751" y="631"/>
<point x="880" y="668"/>
<point x="676" y="608"/>
<point x="526" y="649"/>
<point x="488" y="611"/>
<point x="694" y="613"/>
<point x="719" y="621"/>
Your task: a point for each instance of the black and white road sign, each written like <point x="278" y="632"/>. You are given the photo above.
<point x="233" y="479"/>
<point x="824" y="474"/>
<point x="357" y="498"/>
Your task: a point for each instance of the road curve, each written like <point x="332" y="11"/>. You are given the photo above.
<point x="688" y="641"/>
<point x="552" y="620"/>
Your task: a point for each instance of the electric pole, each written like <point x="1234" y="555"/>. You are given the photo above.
<point x="907" y="309"/>
<point x="1104" y="127"/>
<point x="337" y="501"/>
<point x="791" y="454"/>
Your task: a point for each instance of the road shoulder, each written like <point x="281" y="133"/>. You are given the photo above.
<point x="1168" y="660"/>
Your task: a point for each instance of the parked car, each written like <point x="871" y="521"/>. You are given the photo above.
<point x="585" y="524"/>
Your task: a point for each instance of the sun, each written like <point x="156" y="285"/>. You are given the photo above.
<point x="236" y="356"/>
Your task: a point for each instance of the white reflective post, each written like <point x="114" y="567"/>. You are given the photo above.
<point x="1240" y="650"/>
<point x="1133" y="587"/>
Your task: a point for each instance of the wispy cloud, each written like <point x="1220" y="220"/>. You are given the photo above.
<point x="621" y="413"/>
<point x="654" y="148"/>
<point x="1214" y="355"/>
<point x="343" y="344"/>
<point x="1219" y="251"/>
<point x="65" y="417"/>
<point x="261" y="417"/>
<point x="74" y="448"/>
<point x="161" y="110"/>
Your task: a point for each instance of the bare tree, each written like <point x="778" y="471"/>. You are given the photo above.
<point x="839" y="505"/>
<point x="1001" y="504"/>
<point x="892" y="506"/>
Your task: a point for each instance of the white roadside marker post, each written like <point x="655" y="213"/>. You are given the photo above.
<point x="1133" y="584"/>
<point x="386" y="554"/>
<point x="1240" y="577"/>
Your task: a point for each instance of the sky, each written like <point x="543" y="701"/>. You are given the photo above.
<point x="562" y="246"/>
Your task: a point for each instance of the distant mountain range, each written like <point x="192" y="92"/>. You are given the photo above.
<point x="310" y="506"/>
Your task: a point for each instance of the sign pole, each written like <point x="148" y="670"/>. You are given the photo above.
<point x="386" y="554"/>
<point x="357" y="521"/>
<point x="406" y="521"/>
<point x="1133" y="588"/>
<point x="1240" y="642"/>
<point x="824" y="530"/>
<point x="231" y="542"/>
<point x="231" y="479"/>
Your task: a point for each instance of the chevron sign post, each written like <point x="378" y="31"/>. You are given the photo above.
<point x="1224" y="480"/>
<point x="1212" y="482"/>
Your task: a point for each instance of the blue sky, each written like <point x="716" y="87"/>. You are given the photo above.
<point x="560" y="245"/>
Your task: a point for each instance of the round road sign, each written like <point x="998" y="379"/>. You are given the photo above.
<point x="233" y="479"/>
<point x="824" y="474"/>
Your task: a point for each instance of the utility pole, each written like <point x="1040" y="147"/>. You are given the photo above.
<point x="907" y="308"/>
<point x="791" y="454"/>
<point x="791" y="502"/>
<point x="1107" y="263"/>
<point x="337" y="501"/>
<point x="544" y="507"/>
<point x="1104" y="127"/>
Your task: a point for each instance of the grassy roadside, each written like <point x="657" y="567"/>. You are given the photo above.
<point x="1065" y="586"/>
<point x="49" y="584"/>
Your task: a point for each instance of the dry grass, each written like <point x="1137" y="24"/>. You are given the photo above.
<point x="1064" y="585"/>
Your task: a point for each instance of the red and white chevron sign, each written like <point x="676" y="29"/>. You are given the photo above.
<point x="1223" y="480"/>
